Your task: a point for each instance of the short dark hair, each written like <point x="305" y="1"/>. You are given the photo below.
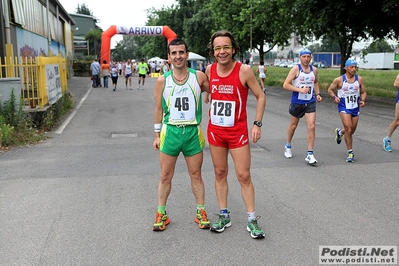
<point x="223" y="33"/>
<point x="177" y="41"/>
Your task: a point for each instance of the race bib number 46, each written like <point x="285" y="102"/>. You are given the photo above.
<point x="223" y="113"/>
<point x="182" y="108"/>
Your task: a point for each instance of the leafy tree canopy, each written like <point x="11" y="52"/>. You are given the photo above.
<point x="84" y="10"/>
<point x="378" y="46"/>
<point x="345" y="21"/>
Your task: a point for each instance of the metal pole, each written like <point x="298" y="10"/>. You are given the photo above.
<point x="48" y="27"/>
<point x="251" y="59"/>
<point x="7" y="23"/>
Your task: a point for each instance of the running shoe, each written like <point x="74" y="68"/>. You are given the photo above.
<point x="338" y="137"/>
<point x="287" y="151"/>
<point x="161" y="221"/>
<point x="350" y="157"/>
<point x="387" y="144"/>
<point x="202" y="219"/>
<point x="221" y="224"/>
<point x="254" y="229"/>
<point x="311" y="159"/>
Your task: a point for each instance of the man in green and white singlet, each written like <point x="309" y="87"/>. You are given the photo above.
<point x="177" y="118"/>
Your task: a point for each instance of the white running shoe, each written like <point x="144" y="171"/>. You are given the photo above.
<point x="287" y="152"/>
<point x="311" y="159"/>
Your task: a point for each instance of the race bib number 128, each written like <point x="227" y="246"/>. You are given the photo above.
<point x="223" y="113"/>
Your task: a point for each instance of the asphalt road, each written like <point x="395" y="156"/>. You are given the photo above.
<point x="88" y="194"/>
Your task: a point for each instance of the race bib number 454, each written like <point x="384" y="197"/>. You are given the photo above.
<point x="223" y="113"/>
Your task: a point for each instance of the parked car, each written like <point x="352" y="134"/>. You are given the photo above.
<point x="283" y="64"/>
<point x="319" y="64"/>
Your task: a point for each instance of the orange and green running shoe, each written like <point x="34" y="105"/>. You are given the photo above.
<point x="161" y="221"/>
<point x="202" y="219"/>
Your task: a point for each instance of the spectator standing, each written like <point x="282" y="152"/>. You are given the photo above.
<point x="134" y="68"/>
<point x="164" y="67"/>
<point x="120" y="66"/>
<point x="158" y="67"/>
<point x="105" y="71"/>
<point x="202" y="67"/>
<point x="95" y="72"/>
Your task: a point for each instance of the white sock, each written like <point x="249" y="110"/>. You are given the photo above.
<point x="251" y="216"/>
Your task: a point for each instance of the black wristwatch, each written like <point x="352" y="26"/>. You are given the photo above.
<point x="258" y="123"/>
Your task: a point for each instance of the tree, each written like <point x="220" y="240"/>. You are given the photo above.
<point x="198" y="29"/>
<point x="329" y="45"/>
<point x="345" y="21"/>
<point x="84" y="10"/>
<point x="378" y="46"/>
<point x="271" y="22"/>
<point x="94" y="38"/>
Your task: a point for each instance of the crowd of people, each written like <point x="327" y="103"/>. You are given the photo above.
<point x="178" y="115"/>
<point x="102" y="71"/>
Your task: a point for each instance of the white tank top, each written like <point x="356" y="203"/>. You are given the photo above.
<point x="261" y="69"/>
<point x="128" y="69"/>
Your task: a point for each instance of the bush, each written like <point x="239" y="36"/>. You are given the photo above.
<point x="19" y="128"/>
<point x="82" y="68"/>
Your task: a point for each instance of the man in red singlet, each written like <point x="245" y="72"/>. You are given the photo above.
<point x="229" y="82"/>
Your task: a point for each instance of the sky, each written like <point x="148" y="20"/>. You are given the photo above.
<point x="130" y="13"/>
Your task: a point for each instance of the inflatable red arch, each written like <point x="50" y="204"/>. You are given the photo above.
<point x="139" y="31"/>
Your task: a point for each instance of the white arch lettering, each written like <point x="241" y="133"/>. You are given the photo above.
<point x="146" y="30"/>
<point x="143" y="31"/>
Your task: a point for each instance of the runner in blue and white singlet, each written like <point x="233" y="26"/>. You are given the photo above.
<point x="304" y="79"/>
<point x="349" y="96"/>
<point x="303" y="82"/>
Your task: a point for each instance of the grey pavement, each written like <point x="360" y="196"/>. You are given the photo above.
<point x="88" y="194"/>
